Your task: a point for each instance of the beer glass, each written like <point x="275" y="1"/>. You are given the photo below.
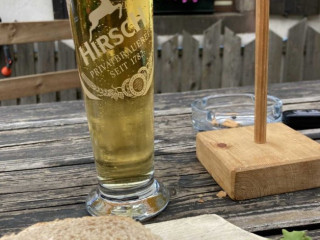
<point x="114" y="45"/>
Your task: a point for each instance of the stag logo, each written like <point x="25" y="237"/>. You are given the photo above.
<point x="105" y="8"/>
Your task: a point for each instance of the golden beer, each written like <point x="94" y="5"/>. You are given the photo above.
<point x="114" y="45"/>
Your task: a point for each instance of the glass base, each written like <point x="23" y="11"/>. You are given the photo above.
<point x="141" y="204"/>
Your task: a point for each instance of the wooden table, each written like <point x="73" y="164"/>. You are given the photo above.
<point x="47" y="169"/>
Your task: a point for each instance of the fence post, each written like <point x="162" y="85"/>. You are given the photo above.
<point x="232" y="60"/>
<point x="46" y="63"/>
<point x="293" y="65"/>
<point x="25" y="65"/>
<point x="170" y="74"/>
<point x="190" y="69"/>
<point x="275" y="57"/>
<point x="248" y="64"/>
<point x="211" y="60"/>
<point x="312" y="58"/>
<point x="66" y="61"/>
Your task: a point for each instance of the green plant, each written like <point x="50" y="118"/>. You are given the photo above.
<point x="294" y="235"/>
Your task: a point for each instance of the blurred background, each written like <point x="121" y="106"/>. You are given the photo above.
<point x="199" y="44"/>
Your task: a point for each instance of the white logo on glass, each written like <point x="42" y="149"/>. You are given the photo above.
<point x="105" y="8"/>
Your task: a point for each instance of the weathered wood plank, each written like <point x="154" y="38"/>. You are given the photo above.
<point x="31" y="136"/>
<point x="275" y="57"/>
<point x="190" y="69"/>
<point x="55" y="186"/>
<point x="188" y="199"/>
<point x="312" y="58"/>
<point x="79" y="148"/>
<point x="211" y="59"/>
<point x="188" y="188"/>
<point x="49" y="178"/>
<point x="22" y="144"/>
<point x="275" y="60"/>
<point x="66" y="60"/>
<point x="50" y="198"/>
<point x="245" y="5"/>
<point x="38" y="84"/>
<point x="74" y="111"/>
<point x="293" y="66"/>
<point x="170" y="74"/>
<point x="42" y="133"/>
<point x="10" y="102"/>
<point x="282" y="91"/>
<point x="25" y="65"/>
<point x="232" y="60"/>
<point x="83" y="173"/>
<point x="44" y="114"/>
<point x="248" y="64"/>
<point x="46" y="63"/>
<point x="28" y="32"/>
<point x="169" y="128"/>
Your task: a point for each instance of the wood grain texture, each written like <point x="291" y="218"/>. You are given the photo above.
<point x="261" y="70"/>
<point x="37" y="84"/>
<point x="43" y="62"/>
<point x="245" y="5"/>
<point x="190" y="67"/>
<point x="9" y="102"/>
<point x="170" y="74"/>
<point x="287" y="162"/>
<point x="28" y="32"/>
<point x="66" y="61"/>
<point x="170" y="63"/>
<point x="293" y="66"/>
<point x="232" y="60"/>
<point x="248" y="64"/>
<point x="46" y="63"/>
<point x="25" y="65"/>
<point x="46" y="149"/>
<point x="211" y="59"/>
<point x="312" y="59"/>
<point x="275" y="58"/>
<point x="42" y="145"/>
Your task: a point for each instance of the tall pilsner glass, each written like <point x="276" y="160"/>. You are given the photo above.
<point x="114" y="45"/>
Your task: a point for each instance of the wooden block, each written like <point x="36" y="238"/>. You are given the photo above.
<point x="288" y="162"/>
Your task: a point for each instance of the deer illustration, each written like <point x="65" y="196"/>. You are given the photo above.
<point x="103" y="10"/>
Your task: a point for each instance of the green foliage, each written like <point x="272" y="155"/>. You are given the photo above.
<point x="295" y="235"/>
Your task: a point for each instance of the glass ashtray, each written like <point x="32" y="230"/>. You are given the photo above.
<point x="230" y="111"/>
